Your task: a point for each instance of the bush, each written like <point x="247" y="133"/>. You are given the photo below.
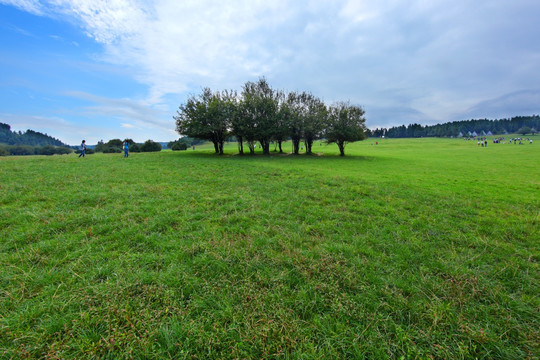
<point x="134" y="148"/>
<point x="112" y="150"/>
<point x="88" y="151"/>
<point x="150" y="146"/>
<point x="52" y="150"/>
<point x="3" y="152"/>
<point x="179" y="146"/>
<point x="46" y="150"/>
<point x="63" y="150"/>
<point x="524" y="130"/>
<point x="21" y="150"/>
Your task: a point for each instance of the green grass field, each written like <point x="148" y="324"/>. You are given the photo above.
<point x="409" y="249"/>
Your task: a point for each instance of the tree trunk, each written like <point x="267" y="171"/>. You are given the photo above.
<point x="296" y="146"/>
<point x="341" y="146"/>
<point x="216" y="146"/>
<point x="221" y="148"/>
<point x="240" y="145"/>
<point x="309" y="144"/>
<point x="251" y="145"/>
<point x="265" y="144"/>
<point x="280" y="149"/>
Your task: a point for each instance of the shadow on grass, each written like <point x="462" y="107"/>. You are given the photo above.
<point x="201" y="154"/>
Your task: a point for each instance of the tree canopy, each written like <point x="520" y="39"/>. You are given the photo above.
<point x="346" y="123"/>
<point x="263" y="114"/>
<point x="29" y="137"/>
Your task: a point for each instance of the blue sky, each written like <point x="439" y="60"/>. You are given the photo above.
<point x="103" y="69"/>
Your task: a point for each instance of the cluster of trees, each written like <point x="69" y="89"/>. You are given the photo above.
<point x="516" y="125"/>
<point x="183" y="143"/>
<point x="265" y="115"/>
<point x="116" y="146"/>
<point x="29" y="137"/>
<point x="29" y="143"/>
<point x="33" y="150"/>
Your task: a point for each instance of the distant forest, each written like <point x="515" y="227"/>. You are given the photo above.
<point x="29" y="137"/>
<point x="462" y="128"/>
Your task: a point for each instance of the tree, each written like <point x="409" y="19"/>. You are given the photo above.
<point x="202" y="117"/>
<point x="135" y="148"/>
<point x="346" y="123"/>
<point x="179" y="146"/>
<point x="150" y="146"/>
<point x="314" y="119"/>
<point x="524" y="130"/>
<point x="100" y="147"/>
<point x="294" y="111"/>
<point x="260" y="109"/>
<point x="282" y="117"/>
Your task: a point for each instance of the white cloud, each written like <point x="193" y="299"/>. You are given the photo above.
<point x="139" y="112"/>
<point x="31" y="6"/>
<point x="420" y="60"/>
<point x="175" y="46"/>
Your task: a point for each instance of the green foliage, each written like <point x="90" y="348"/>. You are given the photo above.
<point x="204" y="117"/>
<point x="346" y="123"/>
<point x="88" y="151"/>
<point x="31" y="150"/>
<point x="452" y="129"/>
<point x="52" y="150"/>
<point x="183" y="143"/>
<point x="29" y="137"/>
<point x="112" y="146"/>
<point x="135" y="148"/>
<point x="100" y="147"/>
<point x="261" y="114"/>
<point x="260" y="111"/>
<point x="21" y="150"/>
<point x="179" y="146"/>
<point x="306" y="117"/>
<point x="111" y="150"/>
<point x="524" y="130"/>
<point x="150" y="146"/>
<point x="115" y="143"/>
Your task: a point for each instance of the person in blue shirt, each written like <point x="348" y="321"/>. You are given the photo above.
<point x="126" y="149"/>
<point x="83" y="148"/>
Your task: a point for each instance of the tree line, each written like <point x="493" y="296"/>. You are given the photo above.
<point x="29" y="143"/>
<point x="116" y="146"/>
<point x="514" y="125"/>
<point x="29" y="137"/>
<point x="261" y="114"/>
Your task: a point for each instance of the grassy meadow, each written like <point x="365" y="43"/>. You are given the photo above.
<point x="409" y="249"/>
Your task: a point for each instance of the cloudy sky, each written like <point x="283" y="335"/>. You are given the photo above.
<point x="103" y="69"/>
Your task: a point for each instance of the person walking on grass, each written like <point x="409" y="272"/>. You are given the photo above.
<point x="126" y="149"/>
<point x="83" y="148"/>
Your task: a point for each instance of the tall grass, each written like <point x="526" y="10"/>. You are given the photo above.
<point x="424" y="248"/>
